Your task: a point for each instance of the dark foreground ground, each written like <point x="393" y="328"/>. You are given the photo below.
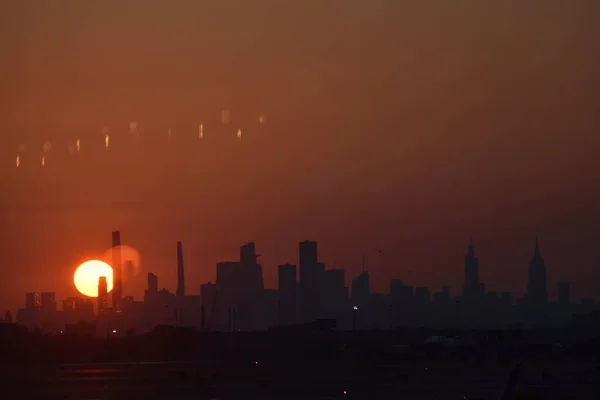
<point x="371" y="365"/>
<point x="315" y="380"/>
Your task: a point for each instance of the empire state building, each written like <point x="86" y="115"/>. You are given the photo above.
<point x="536" y="284"/>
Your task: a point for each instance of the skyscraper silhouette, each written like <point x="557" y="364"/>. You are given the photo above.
<point x="472" y="285"/>
<point x="536" y="284"/>
<point x="102" y="295"/>
<point x="117" y="293"/>
<point x="180" y="272"/>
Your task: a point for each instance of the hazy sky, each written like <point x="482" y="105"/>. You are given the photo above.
<point x="393" y="125"/>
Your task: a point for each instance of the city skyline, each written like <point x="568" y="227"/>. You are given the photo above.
<point x="308" y="292"/>
<point x="380" y="135"/>
<point x="472" y="288"/>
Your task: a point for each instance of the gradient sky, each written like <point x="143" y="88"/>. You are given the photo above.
<point x="402" y="126"/>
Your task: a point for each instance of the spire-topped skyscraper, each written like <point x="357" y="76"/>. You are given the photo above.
<point x="472" y="287"/>
<point x="180" y="274"/>
<point x="536" y="283"/>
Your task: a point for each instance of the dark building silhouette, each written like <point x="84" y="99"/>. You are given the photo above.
<point x="117" y="292"/>
<point x="536" y="283"/>
<point x="361" y="291"/>
<point x="48" y="301"/>
<point x="564" y="293"/>
<point x="102" y="295"/>
<point x="152" y="290"/>
<point x="180" y="271"/>
<point x="8" y="316"/>
<point x="472" y="287"/>
<point x="241" y="290"/>
<point x="33" y="301"/>
<point x="311" y="278"/>
<point x="288" y="294"/>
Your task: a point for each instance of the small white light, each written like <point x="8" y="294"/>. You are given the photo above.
<point x="114" y="331"/>
<point x="355" y="308"/>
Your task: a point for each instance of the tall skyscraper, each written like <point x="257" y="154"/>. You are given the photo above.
<point x="117" y="292"/>
<point x="102" y="295"/>
<point x="472" y="286"/>
<point x="308" y="253"/>
<point x="180" y="272"/>
<point x="361" y="291"/>
<point x="536" y="283"/>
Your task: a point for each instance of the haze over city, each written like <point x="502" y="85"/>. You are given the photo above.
<point x="394" y="130"/>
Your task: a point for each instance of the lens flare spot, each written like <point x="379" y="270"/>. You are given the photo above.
<point x="225" y="117"/>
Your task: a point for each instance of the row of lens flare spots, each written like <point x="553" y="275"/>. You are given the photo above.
<point x="75" y="146"/>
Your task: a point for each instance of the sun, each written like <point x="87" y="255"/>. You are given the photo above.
<point x="87" y="275"/>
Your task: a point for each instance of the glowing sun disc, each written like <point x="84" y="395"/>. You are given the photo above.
<point x="87" y="275"/>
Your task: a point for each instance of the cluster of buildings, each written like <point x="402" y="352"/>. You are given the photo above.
<point x="307" y="293"/>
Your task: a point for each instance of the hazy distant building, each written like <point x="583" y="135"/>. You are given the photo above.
<point x="102" y="295"/>
<point x="361" y="290"/>
<point x="311" y="280"/>
<point x="564" y="293"/>
<point x="48" y="301"/>
<point x="473" y="289"/>
<point x="422" y="295"/>
<point x="180" y="271"/>
<point x="536" y="283"/>
<point x="117" y="292"/>
<point x="33" y="301"/>
<point x="241" y="288"/>
<point x="152" y="289"/>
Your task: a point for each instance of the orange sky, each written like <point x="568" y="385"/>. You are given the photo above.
<point x="392" y="126"/>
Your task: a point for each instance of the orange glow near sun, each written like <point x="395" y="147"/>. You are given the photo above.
<point x="87" y="275"/>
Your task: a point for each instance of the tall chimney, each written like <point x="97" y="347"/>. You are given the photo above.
<point x="180" y="276"/>
<point x="117" y="293"/>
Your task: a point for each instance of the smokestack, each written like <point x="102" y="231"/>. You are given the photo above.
<point x="180" y="276"/>
<point x="117" y="293"/>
